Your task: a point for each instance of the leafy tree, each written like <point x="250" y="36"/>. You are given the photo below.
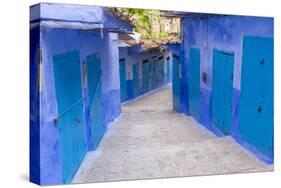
<point x="145" y="21"/>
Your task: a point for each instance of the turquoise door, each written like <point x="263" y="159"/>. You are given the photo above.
<point x="123" y="84"/>
<point x="193" y="76"/>
<point x="256" y="94"/>
<point x="95" y="105"/>
<point x="71" y="123"/>
<point x="176" y="83"/>
<point x="136" y="80"/>
<point x="222" y="89"/>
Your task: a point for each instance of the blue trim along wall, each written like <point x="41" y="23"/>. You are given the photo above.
<point x="224" y="33"/>
<point x="86" y="15"/>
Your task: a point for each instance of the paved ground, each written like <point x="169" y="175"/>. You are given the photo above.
<point x="149" y="140"/>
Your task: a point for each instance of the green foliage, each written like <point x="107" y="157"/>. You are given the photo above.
<point x="145" y="22"/>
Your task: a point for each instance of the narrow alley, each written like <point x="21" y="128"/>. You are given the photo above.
<point x="150" y="140"/>
<point x="127" y="94"/>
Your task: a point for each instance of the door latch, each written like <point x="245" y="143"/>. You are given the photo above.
<point x="77" y="121"/>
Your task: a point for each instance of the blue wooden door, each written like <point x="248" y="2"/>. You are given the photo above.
<point x="256" y="97"/>
<point x="161" y="73"/>
<point x="168" y="73"/>
<point x="222" y="89"/>
<point x="176" y="83"/>
<point x="95" y="105"/>
<point x="193" y="76"/>
<point x="135" y="80"/>
<point x="154" y="68"/>
<point x="149" y="76"/>
<point x="145" y="75"/>
<point x="71" y="123"/>
<point x="123" y="84"/>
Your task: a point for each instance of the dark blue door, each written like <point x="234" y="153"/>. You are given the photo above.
<point x="161" y="73"/>
<point x="71" y="123"/>
<point x="168" y="73"/>
<point x="95" y="105"/>
<point x="193" y="76"/>
<point x="222" y="88"/>
<point x="135" y="80"/>
<point x="154" y="69"/>
<point x="149" y="76"/>
<point x="176" y="83"/>
<point x="145" y="77"/>
<point x="256" y="97"/>
<point x="123" y="84"/>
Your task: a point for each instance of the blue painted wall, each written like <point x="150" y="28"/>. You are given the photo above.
<point x="110" y="76"/>
<point x="88" y="16"/>
<point x="87" y="42"/>
<point x="223" y="33"/>
<point x="134" y="56"/>
<point x="34" y="136"/>
<point x="56" y="38"/>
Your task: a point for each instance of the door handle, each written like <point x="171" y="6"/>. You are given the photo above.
<point x="77" y="121"/>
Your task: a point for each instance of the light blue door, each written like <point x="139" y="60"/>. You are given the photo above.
<point x="193" y="76"/>
<point x="176" y="83"/>
<point x="222" y="89"/>
<point x="95" y="105"/>
<point x="71" y="123"/>
<point x="256" y="97"/>
<point x="123" y="84"/>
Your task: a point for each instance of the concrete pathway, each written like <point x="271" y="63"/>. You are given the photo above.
<point x="149" y="140"/>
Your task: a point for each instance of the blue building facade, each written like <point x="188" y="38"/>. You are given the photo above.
<point x="143" y="71"/>
<point x="221" y="72"/>
<point x="227" y="75"/>
<point x="74" y="93"/>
